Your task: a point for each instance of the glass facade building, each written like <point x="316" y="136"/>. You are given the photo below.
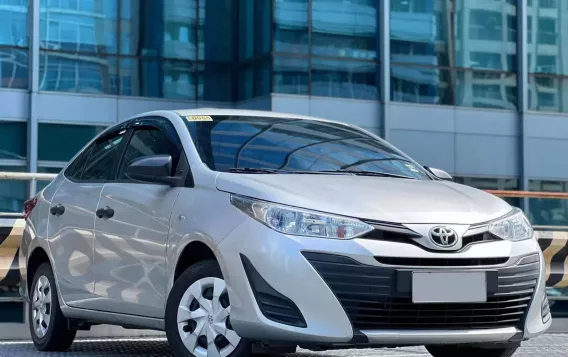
<point x="474" y="87"/>
<point x="477" y="88"/>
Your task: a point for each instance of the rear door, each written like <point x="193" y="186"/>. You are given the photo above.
<point x="72" y="218"/>
<point x="130" y="246"/>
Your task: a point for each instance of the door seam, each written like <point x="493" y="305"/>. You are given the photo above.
<point x="95" y="237"/>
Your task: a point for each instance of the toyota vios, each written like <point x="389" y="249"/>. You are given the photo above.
<point x="238" y="232"/>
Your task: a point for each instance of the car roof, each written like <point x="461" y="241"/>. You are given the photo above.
<point x="235" y="112"/>
<point x="243" y="112"/>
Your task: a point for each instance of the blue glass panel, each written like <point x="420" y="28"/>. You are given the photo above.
<point x="345" y="28"/>
<point x="154" y="78"/>
<point x="254" y="28"/>
<point x="65" y="72"/>
<point x="14" y="22"/>
<point x="348" y="79"/>
<point x="79" y="26"/>
<point x="14" y="68"/>
<point x="75" y="137"/>
<point x="291" y="26"/>
<point x="467" y="34"/>
<point x="215" y="82"/>
<point x="291" y="75"/>
<point x="253" y="80"/>
<point x="548" y="93"/>
<point x="216" y="37"/>
<point x="13" y="139"/>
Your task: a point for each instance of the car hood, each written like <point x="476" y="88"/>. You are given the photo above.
<point x="374" y="198"/>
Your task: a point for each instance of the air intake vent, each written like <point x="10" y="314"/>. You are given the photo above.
<point x="273" y="305"/>
<point x="380" y="298"/>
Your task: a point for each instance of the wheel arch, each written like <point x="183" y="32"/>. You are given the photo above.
<point x="188" y="254"/>
<point x="36" y="259"/>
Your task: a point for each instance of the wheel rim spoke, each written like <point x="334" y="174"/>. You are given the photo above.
<point x="219" y="288"/>
<point x="190" y="342"/>
<point x="213" y="351"/>
<point x="197" y="292"/>
<point x="185" y="314"/>
<point x="222" y="314"/>
<point x="232" y="337"/>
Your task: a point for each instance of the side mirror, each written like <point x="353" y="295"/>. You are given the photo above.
<point x="441" y="174"/>
<point x="153" y="169"/>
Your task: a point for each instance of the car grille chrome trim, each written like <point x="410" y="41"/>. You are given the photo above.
<point x="441" y="262"/>
<point x="376" y="297"/>
<point x="399" y="233"/>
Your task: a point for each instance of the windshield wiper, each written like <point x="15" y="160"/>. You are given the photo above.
<point x="254" y="170"/>
<point x="369" y="173"/>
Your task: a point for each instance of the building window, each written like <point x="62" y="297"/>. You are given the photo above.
<point x="291" y="75"/>
<point x="76" y="137"/>
<point x="548" y="211"/>
<point x="345" y="29"/>
<point x="291" y="26"/>
<point x="13" y="140"/>
<point x="135" y="47"/>
<point x="548" y="77"/>
<point x="14" y="44"/>
<point x="454" y="53"/>
<point x="338" y="58"/>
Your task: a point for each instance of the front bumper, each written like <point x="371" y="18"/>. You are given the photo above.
<point x="324" y="281"/>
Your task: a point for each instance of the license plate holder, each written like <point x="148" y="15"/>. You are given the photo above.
<point x="449" y="287"/>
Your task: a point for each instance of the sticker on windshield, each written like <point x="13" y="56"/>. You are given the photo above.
<point x="198" y="118"/>
<point x="412" y="168"/>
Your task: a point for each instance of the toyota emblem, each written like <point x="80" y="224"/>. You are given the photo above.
<point x="444" y="237"/>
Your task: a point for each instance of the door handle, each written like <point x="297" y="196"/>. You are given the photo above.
<point x="57" y="210"/>
<point x="106" y="212"/>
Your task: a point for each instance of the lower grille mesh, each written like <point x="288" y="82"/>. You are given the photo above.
<point x="373" y="299"/>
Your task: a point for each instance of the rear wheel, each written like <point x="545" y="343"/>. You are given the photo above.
<point x="48" y="326"/>
<point x="470" y="351"/>
<point x="198" y="315"/>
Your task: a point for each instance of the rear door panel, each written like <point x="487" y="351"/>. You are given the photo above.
<point x="71" y="240"/>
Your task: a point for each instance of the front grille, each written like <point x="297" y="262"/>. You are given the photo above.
<point x="407" y="236"/>
<point x="477" y="238"/>
<point x="441" y="262"/>
<point x="380" y="298"/>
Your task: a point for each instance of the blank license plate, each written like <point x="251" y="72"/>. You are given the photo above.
<point x="436" y="287"/>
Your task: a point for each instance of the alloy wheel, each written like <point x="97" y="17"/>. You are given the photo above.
<point x="41" y="306"/>
<point x="204" y="319"/>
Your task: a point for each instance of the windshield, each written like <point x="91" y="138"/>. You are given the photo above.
<point x="231" y="143"/>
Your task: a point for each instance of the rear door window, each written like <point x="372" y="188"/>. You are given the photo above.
<point x="103" y="158"/>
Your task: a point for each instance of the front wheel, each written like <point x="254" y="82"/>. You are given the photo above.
<point x="470" y="351"/>
<point x="198" y="315"/>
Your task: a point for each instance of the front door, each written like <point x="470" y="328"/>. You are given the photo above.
<point x="72" y="218"/>
<point x="132" y="230"/>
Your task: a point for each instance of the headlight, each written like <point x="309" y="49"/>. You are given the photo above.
<point x="295" y="221"/>
<point x="514" y="227"/>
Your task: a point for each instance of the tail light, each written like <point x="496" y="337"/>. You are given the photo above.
<point x="29" y="206"/>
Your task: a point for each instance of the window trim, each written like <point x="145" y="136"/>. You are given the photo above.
<point x="130" y="127"/>
<point x="120" y="151"/>
<point x="102" y="136"/>
<point x="157" y="123"/>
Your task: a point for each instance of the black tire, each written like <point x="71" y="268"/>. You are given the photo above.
<point x="57" y="337"/>
<point x="203" y="269"/>
<point x="470" y="351"/>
